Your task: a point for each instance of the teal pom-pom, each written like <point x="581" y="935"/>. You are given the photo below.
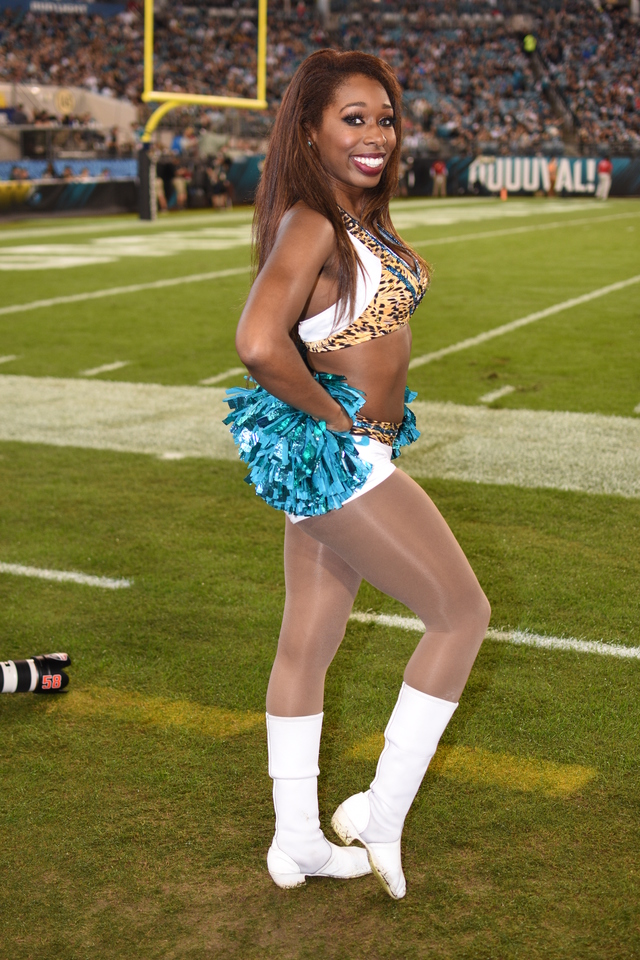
<point x="296" y="464"/>
<point x="408" y="432"/>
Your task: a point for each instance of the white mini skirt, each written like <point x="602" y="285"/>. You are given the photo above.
<point x="379" y="456"/>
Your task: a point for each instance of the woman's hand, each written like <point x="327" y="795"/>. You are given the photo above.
<point x="342" y="422"/>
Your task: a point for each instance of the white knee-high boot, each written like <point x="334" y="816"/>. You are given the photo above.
<point x="299" y="847"/>
<point x="376" y="817"/>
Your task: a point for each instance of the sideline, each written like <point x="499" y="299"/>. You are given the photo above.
<point x="519" y="637"/>
<point x="115" y="291"/>
<point x="64" y="576"/>
<point x="522" y="322"/>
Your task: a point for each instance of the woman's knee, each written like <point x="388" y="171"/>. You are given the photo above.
<point x="303" y="654"/>
<point x="466" y="614"/>
<point x="482" y="611"/>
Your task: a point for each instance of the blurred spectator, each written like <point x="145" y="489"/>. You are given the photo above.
<point x="605" y="169"/>
<point x="112" y="142"/>
<point x="221" y="189"/>
<point x="438" y="172"/>
<point x="180" y="181"/>
<point x="18" y="116"/>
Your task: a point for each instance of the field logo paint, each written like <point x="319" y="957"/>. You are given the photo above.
<point x="60" y="256"/>
<point x="527" y="175"/>
<point x="484" y="768"/>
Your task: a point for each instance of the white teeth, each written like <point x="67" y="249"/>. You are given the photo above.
<point x="370" y="161"/>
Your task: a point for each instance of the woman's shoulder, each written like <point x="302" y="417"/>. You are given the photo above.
<point x="302" y="224"/>
<point x="304" y="229"/>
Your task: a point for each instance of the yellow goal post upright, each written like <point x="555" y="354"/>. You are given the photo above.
<point x="169" y="101"/>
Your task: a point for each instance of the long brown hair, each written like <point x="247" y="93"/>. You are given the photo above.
<point x="293" y="172"/>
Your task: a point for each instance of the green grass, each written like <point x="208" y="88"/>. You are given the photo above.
<point x="125" y="836"/>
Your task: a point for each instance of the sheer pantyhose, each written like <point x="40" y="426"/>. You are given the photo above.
<point x="394" y="537"/>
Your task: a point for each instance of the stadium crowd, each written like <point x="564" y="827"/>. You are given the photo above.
<point x="468" y="84"/>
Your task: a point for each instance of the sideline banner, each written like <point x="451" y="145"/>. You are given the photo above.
<point x="526" y="176"/>
<point x="33" y="197"/>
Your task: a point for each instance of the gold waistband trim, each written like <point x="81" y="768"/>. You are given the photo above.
<point x="382" y="430"/>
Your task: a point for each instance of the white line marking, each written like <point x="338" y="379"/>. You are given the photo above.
<point x="117" y="291"/>
<point x="64" y="576"/>
<point x="511" y="231"/>
<point x="637" y="409"/>
<point x="105" y="368"/>
<point x="496" y="394"/>
<point x="522" y="322"/>
<point x="233" y="372"/>
<point x="111" y="227"/>
<point x="172" y="455"/>
<point x="9" y="358"/>
<point x="520" y="637"/>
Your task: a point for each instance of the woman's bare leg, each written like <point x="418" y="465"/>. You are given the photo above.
<point x="320" y="592"/>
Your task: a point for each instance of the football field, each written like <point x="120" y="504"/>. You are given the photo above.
<point x="135" y="809"/>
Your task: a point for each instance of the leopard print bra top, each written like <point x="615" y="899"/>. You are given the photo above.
<point x="387" y="296"/>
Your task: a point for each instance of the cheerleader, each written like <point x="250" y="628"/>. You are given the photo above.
<point x="325" y="334"/>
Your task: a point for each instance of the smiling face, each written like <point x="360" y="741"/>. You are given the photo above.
<point x="356" y="138"/>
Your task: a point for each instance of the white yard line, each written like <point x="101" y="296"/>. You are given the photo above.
<point x="512" y="231"/>
<point x="219" y="377"/>
<point x="522" y="322"/>
<point x="117" y="291"/>
<point x="496" y="394"/>
<point x="105" y="368"/>
<point x="64" y="576"/>
<point x="12" y="235"/>
<point x="519" y="637"/>
<point x="9" y="358"/>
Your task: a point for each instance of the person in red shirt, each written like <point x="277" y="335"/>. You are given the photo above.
<point x="439" y="173"/>
<point x="605" y="169"/>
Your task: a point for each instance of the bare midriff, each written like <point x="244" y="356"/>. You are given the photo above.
<point x="378" y="367"/>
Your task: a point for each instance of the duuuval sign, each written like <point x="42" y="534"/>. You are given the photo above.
<point x="530" y="174"/>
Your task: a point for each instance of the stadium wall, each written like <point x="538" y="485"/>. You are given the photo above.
<point x="25" y="197"/>
<point x="475" y="176"/>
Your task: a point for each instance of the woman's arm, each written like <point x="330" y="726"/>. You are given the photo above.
<point x="304" y="244"/>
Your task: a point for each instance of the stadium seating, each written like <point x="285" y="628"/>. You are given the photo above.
<point x="469" y="86"/>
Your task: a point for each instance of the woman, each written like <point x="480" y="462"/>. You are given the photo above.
<point x="332" y="299"/>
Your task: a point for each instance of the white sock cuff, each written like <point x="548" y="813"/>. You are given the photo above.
<point x="418" y="721"/>
<point x="294" y="746"/>
<point x="418" y="695"/>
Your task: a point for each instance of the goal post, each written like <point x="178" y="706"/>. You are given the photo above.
<point x="170" y="101"/>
